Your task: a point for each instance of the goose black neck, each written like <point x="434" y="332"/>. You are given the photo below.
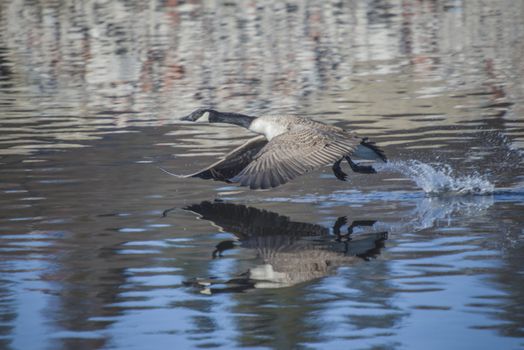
<point x="230" y="118"/>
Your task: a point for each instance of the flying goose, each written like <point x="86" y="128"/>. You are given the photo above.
<point x="288" y="146"/>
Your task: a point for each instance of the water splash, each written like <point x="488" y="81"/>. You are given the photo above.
<point x="440" y="179"/>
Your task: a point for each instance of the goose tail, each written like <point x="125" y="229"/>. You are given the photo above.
<point x="368" y="150"/>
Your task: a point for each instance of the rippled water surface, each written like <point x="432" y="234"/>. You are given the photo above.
<point x="100" y="249"/>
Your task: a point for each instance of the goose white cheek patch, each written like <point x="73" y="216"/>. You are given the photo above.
<point x="204" y="118"/>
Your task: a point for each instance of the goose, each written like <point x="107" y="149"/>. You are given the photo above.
<point x="288" y="146"/>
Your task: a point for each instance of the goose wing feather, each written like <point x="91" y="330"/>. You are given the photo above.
<point x="233" y="162"/>
<point x="295" y="153"/>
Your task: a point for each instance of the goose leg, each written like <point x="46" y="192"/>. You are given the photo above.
<point x="363" y="169"/>
<point x="341" y="221"/>
<point x="360" y="223"/>
<point x="337" y="170"/>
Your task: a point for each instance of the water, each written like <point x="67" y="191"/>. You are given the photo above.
<point x="100" y="249"/>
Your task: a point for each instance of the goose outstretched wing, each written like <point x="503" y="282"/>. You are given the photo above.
<point x="295" y="153"/>
<point x="233" y="162"/>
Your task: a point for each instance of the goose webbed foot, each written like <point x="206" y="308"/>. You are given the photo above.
<point x="337" y="170"/>
<point x="363" y="169"/>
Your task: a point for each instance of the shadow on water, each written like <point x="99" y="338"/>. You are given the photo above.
<point x="291" y="252"/>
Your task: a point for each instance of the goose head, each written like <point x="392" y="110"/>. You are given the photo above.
<point x="202" y="115"/>
<point x="206" y="115"/>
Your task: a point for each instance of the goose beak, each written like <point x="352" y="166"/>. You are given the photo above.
<point x="187" y="118"/>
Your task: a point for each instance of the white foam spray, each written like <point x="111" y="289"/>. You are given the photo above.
<point x="438" y="179"/>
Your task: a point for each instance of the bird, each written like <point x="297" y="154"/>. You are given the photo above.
<point x="287" y="146"/>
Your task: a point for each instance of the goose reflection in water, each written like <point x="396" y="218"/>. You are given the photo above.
<point x="292" y="252"/>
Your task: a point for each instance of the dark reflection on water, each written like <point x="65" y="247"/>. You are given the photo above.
<point x="90" y="96"/>
<point x="290" y="252"/>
